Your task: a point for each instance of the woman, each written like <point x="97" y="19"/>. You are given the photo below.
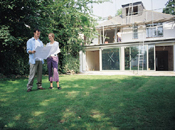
<point x="52" y="62"/>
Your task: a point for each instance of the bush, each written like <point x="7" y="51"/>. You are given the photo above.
<point x="71" y="64"/>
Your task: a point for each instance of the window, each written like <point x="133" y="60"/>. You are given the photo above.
<point x="127" y="9"/>
<point x="151" y="57"/>
<point x="111" y="59"/>
<point x="135" y="10"/>
<point x="127" y="58"/>
<point x="154" y="30"/>
<point x="132" y="10"/>
<point x="131" y="58"/>
<point x="135" y="32"/>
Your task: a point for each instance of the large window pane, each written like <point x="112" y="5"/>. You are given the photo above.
<point x="148" y="32"/>
<point x="151" y="32"/>
<point x="127" y="58"/>
<point x="160" y="31"/>
<point x="134" y="57"/>
<point x="139" y="58"/>
<point x="135" y="32"/>
<point x="110" y="59"/>
<point x="142" y="58"/>
<point x="154" y="32"/>
<point x="145" y="58"/>
<point x="151" y="57"/>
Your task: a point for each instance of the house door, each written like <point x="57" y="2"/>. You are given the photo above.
<point x="92" y="59"/>
<point x="162" y="60"/>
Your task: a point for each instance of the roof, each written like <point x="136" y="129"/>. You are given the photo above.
<point x="147" y="17"/>
<point x="113" y="21"/>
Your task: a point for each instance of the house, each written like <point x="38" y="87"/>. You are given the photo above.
<point x="139" y="39"/>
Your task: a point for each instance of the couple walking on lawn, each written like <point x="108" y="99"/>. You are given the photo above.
<point x="36" y="63"/>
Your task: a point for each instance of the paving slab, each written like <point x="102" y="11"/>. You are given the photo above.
<point x="131" y="73"/>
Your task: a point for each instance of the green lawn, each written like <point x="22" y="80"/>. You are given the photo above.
<point x="89" y="102"/>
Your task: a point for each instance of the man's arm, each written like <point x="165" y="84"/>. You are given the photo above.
<point x="42" y="45"/>
<point x="29" y="48"/>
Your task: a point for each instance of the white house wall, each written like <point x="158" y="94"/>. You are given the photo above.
<point x="127" y="34"/>
<point x="82" y="59"/>
<point x="169" y="30"/>
<point x="84" y="62"/>
<point x="122" y="58"/>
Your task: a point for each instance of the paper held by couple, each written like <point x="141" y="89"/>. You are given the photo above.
<point x="45" y="52"/>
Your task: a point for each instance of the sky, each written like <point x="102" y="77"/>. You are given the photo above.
<point x="107" y="8"/>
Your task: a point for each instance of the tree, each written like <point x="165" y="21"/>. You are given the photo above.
<point x="119" y="12"/>
<point x="170" y="7"/>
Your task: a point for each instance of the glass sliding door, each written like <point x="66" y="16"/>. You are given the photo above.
<point x="151" y="57"/>
<point x="111" y="59"/>
<point x="132" y="59"/>
<point x="145" y="57"/>
<point x="127" y="58"/>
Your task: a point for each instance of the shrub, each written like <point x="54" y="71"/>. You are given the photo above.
<point x="71" y="64"/>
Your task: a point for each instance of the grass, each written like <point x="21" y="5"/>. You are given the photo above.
<point x="89" y="102"/>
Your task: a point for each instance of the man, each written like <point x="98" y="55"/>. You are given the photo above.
<point x="35" y="64"/>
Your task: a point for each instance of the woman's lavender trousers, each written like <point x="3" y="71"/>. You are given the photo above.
<point x="52" y="65"/>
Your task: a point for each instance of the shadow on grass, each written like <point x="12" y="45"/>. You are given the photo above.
<point x="90" y="102"/>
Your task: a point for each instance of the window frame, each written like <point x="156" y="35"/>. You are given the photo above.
<point x="135" y="10"/>
<point x="135" y="32"/>
<point x="152" y="30"/>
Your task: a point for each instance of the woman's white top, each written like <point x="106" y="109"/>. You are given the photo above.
<point x="56" y="44"/>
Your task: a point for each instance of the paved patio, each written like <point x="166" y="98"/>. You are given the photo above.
<point x="131" y="73"/>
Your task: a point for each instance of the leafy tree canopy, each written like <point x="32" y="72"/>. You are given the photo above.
<point x="119" y="12"/>
<point x="170" y="7"/>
